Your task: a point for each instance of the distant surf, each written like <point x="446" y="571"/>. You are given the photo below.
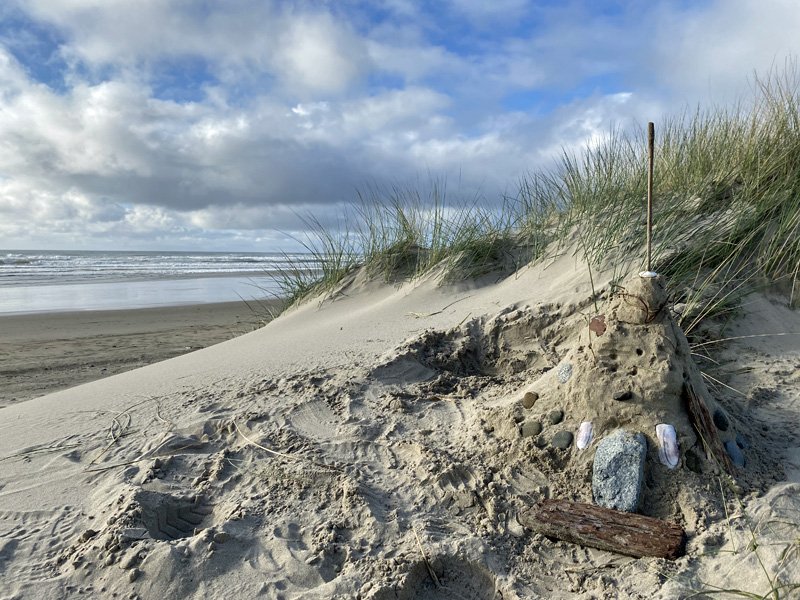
<point x="34" y="281"/>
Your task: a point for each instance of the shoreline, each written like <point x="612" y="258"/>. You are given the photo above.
<point x="44" y="353"/>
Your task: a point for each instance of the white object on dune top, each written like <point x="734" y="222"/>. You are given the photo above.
<point x="648" y="274"/>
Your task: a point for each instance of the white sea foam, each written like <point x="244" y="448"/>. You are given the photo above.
<point x="44" y="281"/>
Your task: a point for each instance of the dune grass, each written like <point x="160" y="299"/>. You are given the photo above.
<point x="726" y="196"/>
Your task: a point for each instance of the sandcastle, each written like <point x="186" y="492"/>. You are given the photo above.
<point x="627" y="393"/>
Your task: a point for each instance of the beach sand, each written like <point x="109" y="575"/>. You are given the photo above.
<point x="45" y="353"/>
<point x="369" y="444"/>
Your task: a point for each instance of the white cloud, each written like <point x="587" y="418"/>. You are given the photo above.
<point x="296" y="104"/>
<point x="319" y="55"/>
<point x="706" y="54"/>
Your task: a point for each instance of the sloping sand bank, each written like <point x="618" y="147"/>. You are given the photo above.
<point x="327" y="454"/>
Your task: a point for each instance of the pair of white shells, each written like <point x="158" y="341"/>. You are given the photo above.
<point x="667" y="445"/>
<point x="668" y="452"/>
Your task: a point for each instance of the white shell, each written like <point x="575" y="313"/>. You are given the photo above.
<point x="667" y="445"/>
<point x="585" y="435"/>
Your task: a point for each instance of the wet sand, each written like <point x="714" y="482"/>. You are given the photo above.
<point x="45" y="353"/>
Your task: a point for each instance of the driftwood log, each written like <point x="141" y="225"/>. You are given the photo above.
<point x="604" y="528"/>
<point x="704" y="424"/>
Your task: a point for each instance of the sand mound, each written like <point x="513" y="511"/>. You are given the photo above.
<point x="331" y="453"/>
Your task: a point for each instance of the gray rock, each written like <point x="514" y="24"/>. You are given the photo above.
<point x="564" y="372"/>
<point x="721" y="420"/>
<point x="735" y="453"/>
<point x="531" y="428"/>
<point x="619" y="470"/>
<point x="556" y="417"/>
<point x="622" y="396"/>
<point x="562" y="440"/>
<point x="529" y="399"/>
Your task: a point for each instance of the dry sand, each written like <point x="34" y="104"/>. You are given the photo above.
<point x="45" y="353"/>
<point x="327" y="454"/>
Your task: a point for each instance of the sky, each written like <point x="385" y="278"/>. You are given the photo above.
<point x="218" y="124"/>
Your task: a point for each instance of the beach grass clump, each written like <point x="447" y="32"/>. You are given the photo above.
<point x="726" y="210"/>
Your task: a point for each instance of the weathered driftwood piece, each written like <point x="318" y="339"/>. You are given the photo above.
<point x="604" y="528"/>
<point x="704" y="424"/>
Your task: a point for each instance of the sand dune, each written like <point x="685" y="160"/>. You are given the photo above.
<point x="329" y="453"/>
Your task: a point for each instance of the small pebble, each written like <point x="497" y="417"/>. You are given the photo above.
<point x="564" y="372"/>
<point x="556" y="417"/>
<point x="134" y="575"/>
<point x="622" y="396"/>
<point x="221" y="537"/>
<point x="529" y="399"/>
<point x="735" y="453"/>
<point x="742" y="442"/>
<point x="531" y="428"/>
<point x="721" y="420"/>
<point x="562" y="440"/>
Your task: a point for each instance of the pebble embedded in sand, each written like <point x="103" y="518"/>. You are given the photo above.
<point x="618" y="471"/>
<point x="564" y="373"/>
<point x="735" y="453"/>
<point x="221" y="537"/>
<point x="562" y="440"/>
<point x="531" y="428"/>
<point x="622" y="396"/>
<point x="555" y="417"/>
<point x="529" y="399"/>
<point x="742" y="442"/>
<point x="721" y="420"/>
<point x="134" y="575"/>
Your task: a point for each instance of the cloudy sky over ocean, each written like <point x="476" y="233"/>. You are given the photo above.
<point x="209" y="125"/>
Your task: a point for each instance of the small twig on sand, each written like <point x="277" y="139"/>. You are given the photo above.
<point x="282" y="455"/>
<point x="418" y="315"/>
<point x="431" y="572"/>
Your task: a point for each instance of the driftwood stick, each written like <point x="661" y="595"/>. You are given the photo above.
<point x="604" y="528"/>
<point x="704" y="424"/>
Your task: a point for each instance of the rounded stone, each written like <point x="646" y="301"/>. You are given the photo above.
<point x="555" y="417"/>
<point x="721" y="420"/>
<point x="622" y="396"/>
<point x="564" y="372"/>
<point x="531" y="428"/>
<point x="221" y="537"/>
<point x="529" y="399"/>
<point x="735" y="453"/>
<point x="133" y="574"/>
<point x="562" y="440"/>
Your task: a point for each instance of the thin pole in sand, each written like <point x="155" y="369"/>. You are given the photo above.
<point x="651" y="136"/>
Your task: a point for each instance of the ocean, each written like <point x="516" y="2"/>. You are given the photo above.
<point x="38" y="281"/>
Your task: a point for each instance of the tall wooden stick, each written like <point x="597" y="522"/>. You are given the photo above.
<point x="651" y="136"/>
